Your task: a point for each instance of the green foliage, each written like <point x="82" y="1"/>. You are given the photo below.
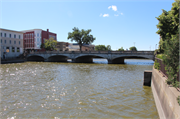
<point x="102" y="48"/>
<point x="50" y="44"/>
<point x="178" y="99"/>
<point x="156" y="65"/>
<point x="121" y="49"/>
<point x="133" y="48"/>
<point x="160" y="56"/>
<point x="171" y="59"/>
<point x="168" y="24"/>
<point x="81" y="37"/>
<point x="42" y="45"/>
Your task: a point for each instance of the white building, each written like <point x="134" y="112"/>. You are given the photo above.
<point x="11" y="43"/>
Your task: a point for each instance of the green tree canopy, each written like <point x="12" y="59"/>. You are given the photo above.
<point x="121" y="49"/>
<point x="50" y="44"/>
<point x="171" y="59"/>
<point x="133" y="48"/>
<point x="168" y="24"/>
<point x="81" y="37"/>
<point x="102" y="48"/>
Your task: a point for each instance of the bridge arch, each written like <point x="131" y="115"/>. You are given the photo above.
<point x="58" y="58"/>
<point x="35" y="58"/>
<point x="86" y="58"/>
<point x="120" y="59"/>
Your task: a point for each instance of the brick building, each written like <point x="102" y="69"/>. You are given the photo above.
<point x="35" y="37"/>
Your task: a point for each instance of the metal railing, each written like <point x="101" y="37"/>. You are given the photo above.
<point x="162" y="68"/>
<point x="97" y="52"/>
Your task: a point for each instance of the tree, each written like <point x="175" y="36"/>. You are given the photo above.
<point x="133" y="48"/>
<point x="81" y="37"/>
<point x="103" y="48"/>
<point x="171" y="59"/>
<point x="50" y="44"/>
<point x="121" y="49"/>
<point x="168" y="24"/>
<point x="42" y="45"/>
<point x="108" y="47"/>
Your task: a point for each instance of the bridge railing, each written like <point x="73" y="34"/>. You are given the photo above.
<point x="97" y="52"/>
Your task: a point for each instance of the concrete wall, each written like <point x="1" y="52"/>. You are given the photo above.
<point x="165" y="97"/>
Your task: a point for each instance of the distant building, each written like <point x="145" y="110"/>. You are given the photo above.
<point x="35" y="37"/>
<point x="62" y="46"/>
<point x="85" y="47"/>
<point x="11" y="43"/>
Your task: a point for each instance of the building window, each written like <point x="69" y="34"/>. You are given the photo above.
<point x="19" y="42"/>
<point x="14" y="42"/>
<point x="37" y="34"/>
<point x="7" y="49"/>
<point x="1" y="34"/>
<point x="10" y="42"/>
<point x="13" y="49"/>
<point x="9" y="35"/>
<point x="4" y="41"/>
<point x="14" y="35"/>
<point x="4" y="34"/>
<point x="19" y="37"/>
<point x="18" y="49"/>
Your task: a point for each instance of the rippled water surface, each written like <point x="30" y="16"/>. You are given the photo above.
<point x="76" y="90"/>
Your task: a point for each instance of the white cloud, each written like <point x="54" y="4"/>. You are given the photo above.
<point x="106" y="15"/>
<point x="109" y="7"/>
<point x="114" y="8"/>
<point x="121" y="13"/>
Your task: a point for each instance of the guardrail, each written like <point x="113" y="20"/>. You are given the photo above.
<point x="162" y="68"/>
<point x="97" y="52"/>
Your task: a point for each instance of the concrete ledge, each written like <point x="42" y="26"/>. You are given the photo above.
<point x="165" y="97"/>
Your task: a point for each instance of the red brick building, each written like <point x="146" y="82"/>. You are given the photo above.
<point x="35" y="37"/>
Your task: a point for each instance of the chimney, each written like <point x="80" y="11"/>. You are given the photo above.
<point x="47" y="30"/>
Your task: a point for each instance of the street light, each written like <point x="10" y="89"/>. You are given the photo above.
<point x="155" y="46"/>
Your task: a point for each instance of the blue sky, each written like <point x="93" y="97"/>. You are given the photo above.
<point x="119" y="23"/>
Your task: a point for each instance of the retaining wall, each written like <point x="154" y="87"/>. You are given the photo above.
<point x="165" y="97"/>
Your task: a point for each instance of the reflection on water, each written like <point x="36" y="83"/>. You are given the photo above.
<point x="71" y="90"/>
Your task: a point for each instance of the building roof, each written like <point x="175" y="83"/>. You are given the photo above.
<point x="30" y="30"/>
<point x="11" y="30"/>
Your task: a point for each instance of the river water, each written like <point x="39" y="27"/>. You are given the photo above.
<point x="76" y="90"/>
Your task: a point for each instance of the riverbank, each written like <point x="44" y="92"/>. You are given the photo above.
<point x="18" y="60"/>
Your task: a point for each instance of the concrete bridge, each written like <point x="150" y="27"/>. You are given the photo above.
<point x="113" y="57"/>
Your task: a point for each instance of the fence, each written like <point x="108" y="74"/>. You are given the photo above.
<point x="162" y="68"/>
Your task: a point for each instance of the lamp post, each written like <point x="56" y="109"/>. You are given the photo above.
<point x="155" y="46"/>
